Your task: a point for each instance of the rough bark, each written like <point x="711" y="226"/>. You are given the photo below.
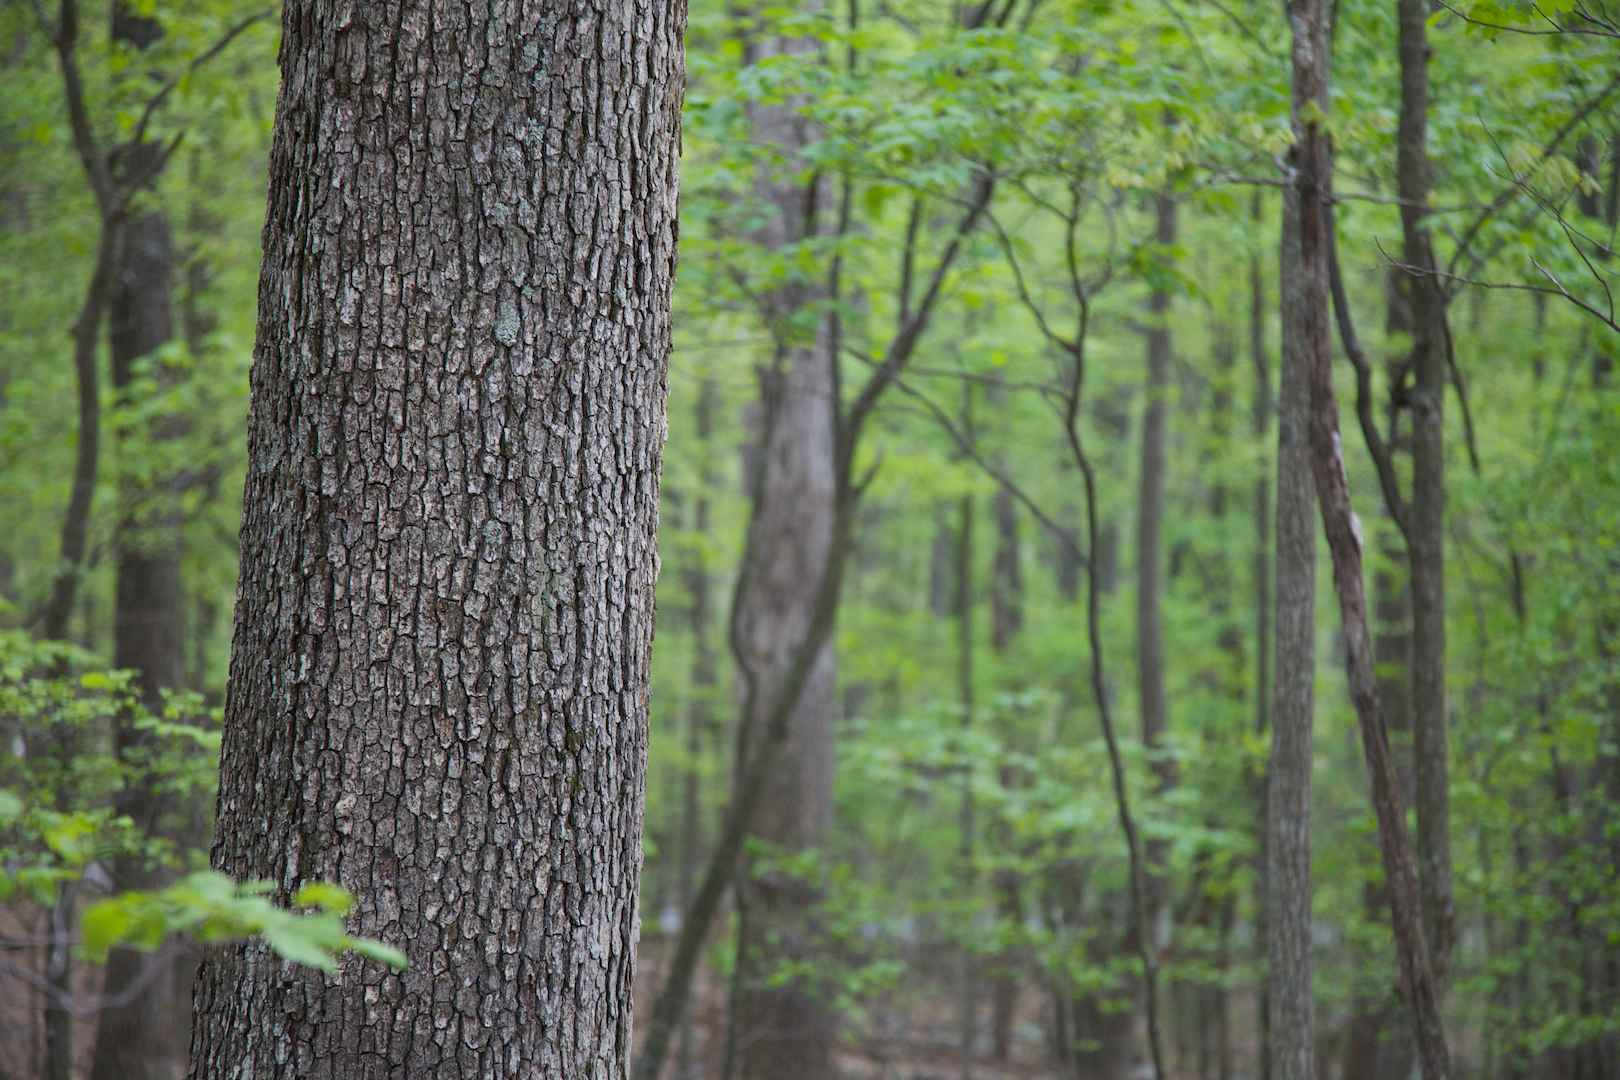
<point x="786" y="1028"/>
<point x="1426" y="532"/>
<point x="438" y="683"/>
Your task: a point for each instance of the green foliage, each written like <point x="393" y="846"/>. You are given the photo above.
<point x="60" y="827"/>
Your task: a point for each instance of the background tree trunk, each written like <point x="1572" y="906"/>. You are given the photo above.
<point x="145" y="1039"/>
<point x="438" y="685"/>
<point x="1302" y="280"/>
<point x="786" y="1028"/>
<point x="1260" y="425"/>
<point x="1150" y="665"/>
<point x="1426" y="545"/>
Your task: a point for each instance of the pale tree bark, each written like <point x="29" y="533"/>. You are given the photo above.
<point x="786" y="1028"/>
<point x="771" y="737"/>
<point x="1302" y="282"/>
<point x="438" y="683"/>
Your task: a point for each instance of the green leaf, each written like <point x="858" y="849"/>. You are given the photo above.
<point x="292" y="942"/>
<point x="327" y="897"/>
<point x="376" y="950"/>
<point x="104" y="924"/>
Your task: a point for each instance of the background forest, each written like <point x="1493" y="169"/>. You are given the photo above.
<point x="976" y="643"/>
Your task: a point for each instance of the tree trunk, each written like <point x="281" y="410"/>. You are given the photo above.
<point x="145" y="1039"/>
<point x="1150" y="673"/>
<point x="967" y="1015"/>
<point x="438" y="692"/>
<point x="786" y="1028"/>
<point x="1426" y="533"/>
<point x="1260" y="425"/>
<point x="1006" y="619"/>
<point x="1313" y="187"/>
<point x="1292" y="1046"/>
<point x="700" y="714"/>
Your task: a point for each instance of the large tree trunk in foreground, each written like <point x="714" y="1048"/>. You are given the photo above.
<point x="438" y="683"/>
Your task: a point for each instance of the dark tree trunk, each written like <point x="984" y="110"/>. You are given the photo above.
<point x="700" y="715"/>
<point x="1292" y="1047"/>
<point x="1260" y="425"/>
<point x="967" y="1015"/>
<point x="145" y="1039"/>
<point x="786" y="1028"/>
<point x="1426" y="532"/>
<point x="1312" y="186"/>
<point x="1006" y="619"/>
<point x="1150" y="674"/>
<point x="438" y="685"/>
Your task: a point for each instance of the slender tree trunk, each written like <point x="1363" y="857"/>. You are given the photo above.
<point x="1426" y="534"/>
<point x="59" y="975"/>
<point x="438" y="686"/>
<point x="1150" y="663"/>
<point x="1292" y="1046"/>
<point x="1006" y="619"/>
<point x="967" y="992"/>
<point x="1313" y="185"/>
<point x="700" y="717"/>
<point x="58" y="607"/>
<point x="1260" y="426"/>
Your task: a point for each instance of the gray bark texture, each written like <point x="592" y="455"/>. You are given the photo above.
<point x="438" y="686"/>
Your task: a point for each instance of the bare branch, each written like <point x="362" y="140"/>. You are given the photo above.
<point x="198" y="61"/>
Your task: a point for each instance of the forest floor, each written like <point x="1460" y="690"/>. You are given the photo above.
<point x="910" y="1035"/>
